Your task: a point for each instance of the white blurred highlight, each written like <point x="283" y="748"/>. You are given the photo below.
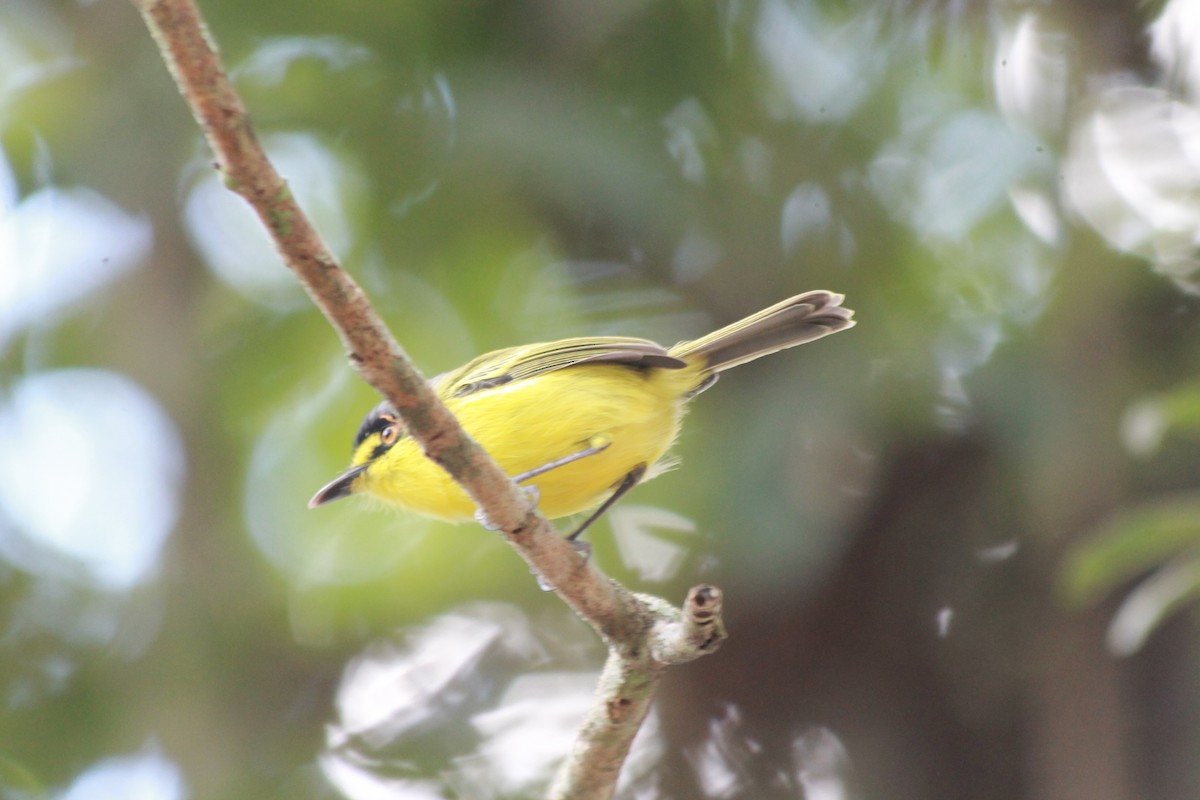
<point x="1038" y="212"/>
<point x="1030" y="74"/>
<point x="273" y="58"/>
<point x="1150" y="602"/>
<point x="392" y="689"/>
<point x="146" y="776"/>
<point x="695" y="256"/>
<point x="650" y="555"/>
<point x="817" y="69"/>
<point x="465" y="693"/>
<point x="526" y="736"/>
<point x="690" y="131"/>
<point x="720" y="763"/>
<point x="232" y="240"/>
<point x="998" y="553"/>
<point x="1143" y="427"/>
<point x="91" y="469"/>
<point x="822" y="764"/>
<point x="468" y="681"/>
<point x="1175" y="45"/>
<point x="57" y="246"/>
<point x="1132" y="173"/>
<point x="806" y="211"/>
<point x="945" y="618"/>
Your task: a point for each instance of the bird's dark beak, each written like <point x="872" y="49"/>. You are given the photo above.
<point x="337" y="488"/>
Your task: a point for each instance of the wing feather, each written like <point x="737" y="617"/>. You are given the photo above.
<point x="529" y="361"/>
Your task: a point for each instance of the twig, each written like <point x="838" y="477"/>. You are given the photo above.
<point x="644" y="635"/>
<point x="627" y="686"/>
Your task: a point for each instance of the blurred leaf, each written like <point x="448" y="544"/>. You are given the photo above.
<point x="1147" y="422"/>
<point x="1152" y="601"/>
<point x="1131" y="543"/>
<point x="17" y="782"/>
<point x="1182" y="407"/>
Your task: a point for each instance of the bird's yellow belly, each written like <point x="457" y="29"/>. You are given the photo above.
<point x="533" y="422"/>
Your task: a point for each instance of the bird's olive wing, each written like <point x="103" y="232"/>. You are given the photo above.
<point x="519" y="363"/>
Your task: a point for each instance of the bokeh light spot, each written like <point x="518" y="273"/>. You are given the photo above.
<point x="57" y="246"/>
<point x="232" y="239"/>
<point x="146" y="776"/>
<point x="90" y="471"/>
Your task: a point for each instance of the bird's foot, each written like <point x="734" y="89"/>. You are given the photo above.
<point x="531" y="493"/>
<point x="583" y="548"/>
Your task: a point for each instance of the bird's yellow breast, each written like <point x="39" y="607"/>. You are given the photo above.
<point x="530" y="423"/>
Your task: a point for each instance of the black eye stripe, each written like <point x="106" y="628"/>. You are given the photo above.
<point x="379" y="418"/>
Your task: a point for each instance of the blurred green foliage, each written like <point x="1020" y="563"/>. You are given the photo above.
<point x="896" y="514"/>
<point x="1135" y="541"/>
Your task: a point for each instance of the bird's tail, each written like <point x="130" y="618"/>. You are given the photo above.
<point x="795" y="321"/>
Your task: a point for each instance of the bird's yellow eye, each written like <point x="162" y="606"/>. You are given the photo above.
<point x="389" y="434"/>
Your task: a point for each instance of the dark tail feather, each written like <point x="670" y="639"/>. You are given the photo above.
<point x="796" y="320"/>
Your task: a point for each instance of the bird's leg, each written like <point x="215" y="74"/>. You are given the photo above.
<point x="628" y="482"/>
<point x="585" y="548"/>
<point x="597" y="444"/>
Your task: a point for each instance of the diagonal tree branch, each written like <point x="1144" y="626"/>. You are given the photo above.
<point x="644" y="634"/>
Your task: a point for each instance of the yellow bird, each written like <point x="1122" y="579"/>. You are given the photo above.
<point x="580" y="420"/>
